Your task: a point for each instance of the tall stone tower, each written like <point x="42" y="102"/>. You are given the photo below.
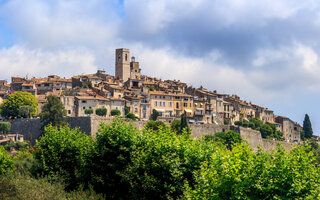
<point x="123" y="64"/>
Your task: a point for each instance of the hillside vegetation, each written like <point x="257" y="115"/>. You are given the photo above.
<point x="123" y="162"/>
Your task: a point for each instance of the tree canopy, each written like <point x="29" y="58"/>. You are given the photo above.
<point x="10" y="107"/>
<point x="53" y="112"/>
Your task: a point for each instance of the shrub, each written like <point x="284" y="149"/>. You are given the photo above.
<point x="5" y="127"/>
<point x="115" y="112"/>
<point x="6" y="162"/>
<point x="226" y="121"/>
<point x="101" y="111"/>
<point x="110" y="158"/>
<point x="238" y="123"/>
<point x="19" y="146"/>
<point x="88" y="111"/>
<point x="251" y="125"/>
<point x="244" y="174"/>
<point x="61" y="151"/>
<point x="131" y="116"/>
<point x="155" y="125"/>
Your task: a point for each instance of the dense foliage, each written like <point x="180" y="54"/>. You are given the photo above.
<point x="61" y="151"/>
<point x="101" y="111"/>
<point x="229" y="138"/>
<point x="5" y="127"/>
<point x="131" y="116"/>
<point x="176" y="126"/>
<point x="115" y="112"/>
<point x="6" y="162"/>
<point x="123" y="162"/>
<point x="307" y="127"/>
<point x="53" y="112"/>
<point x="88" y="111"/>
<point x="156" y="125"/>
<point x="26" y="111"/>
<point x="267" y="130"/>
<point x="10" y="107"/>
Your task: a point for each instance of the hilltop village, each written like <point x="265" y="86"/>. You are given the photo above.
<point x="130" y="91"/>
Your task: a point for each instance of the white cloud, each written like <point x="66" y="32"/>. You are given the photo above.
<point x="20" y="61"/>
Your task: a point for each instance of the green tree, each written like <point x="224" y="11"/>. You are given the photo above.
<point x="88" y="111"/>
<point x="176" y="126"/>
<point x="154" y="115"/>
<point x="131" y="116"/>
<point x="257" y="123"/>
<point x="26" y="111"/>
<point x="53" y="112"/>
<point x="5" y="127"/>
<point x="6" y="162"/>
<point x="307" y="127"/>
<point x="101" y="111"/>
<point x="184" y="123"/>
<point x="11" y="106"/>
<point x="110" y="158"/>
<point x="115" y="112"/>
<point x="155" y="125"/>
<point x="266" y="131"/>
<point x="226" y="121"/>
<point x="62" y="151"/>
<point x="228" y="138"/>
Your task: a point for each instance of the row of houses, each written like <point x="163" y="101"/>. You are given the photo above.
<point x="130" y="91"/>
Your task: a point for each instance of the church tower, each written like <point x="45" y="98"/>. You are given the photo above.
<point x="123" y="64"/>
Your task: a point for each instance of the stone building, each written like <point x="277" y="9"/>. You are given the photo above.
<point x="122" y="66"/>
<point x="290" y="129"/>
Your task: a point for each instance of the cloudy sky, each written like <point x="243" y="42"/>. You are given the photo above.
<point x="266" y="51"/>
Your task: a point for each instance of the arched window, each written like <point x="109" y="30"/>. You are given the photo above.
<point x="119" y="57"/>
<point x="126" y="57"/>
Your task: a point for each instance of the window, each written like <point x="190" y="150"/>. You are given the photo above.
<point x="163" y="103"/>
<point x="69" y="112"/>
<point x="83" y="101"/>
<point x="83" y="107"/>
<point x="90" y="107"/>
<point x="155" y="103"/>
<point x="135" y="109"/>
<point x="160" y="103"/>
<point x="119" y="57"/>
<point x="126" y="57"/>
<point x="170" y="104"/>
<point x="135" y="103"/>
<point x="155" y="97"/>
<point x="185" y="104"/>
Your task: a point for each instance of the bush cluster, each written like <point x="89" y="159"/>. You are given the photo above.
<point x="123" y="162"/>
<point x="267" y="130"/>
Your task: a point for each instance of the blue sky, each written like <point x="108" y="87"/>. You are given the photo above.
<point x="265" y="51"/>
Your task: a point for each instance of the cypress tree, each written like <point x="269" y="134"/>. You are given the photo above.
<point x="307" y="128"/>
<point x="184" y="123"/>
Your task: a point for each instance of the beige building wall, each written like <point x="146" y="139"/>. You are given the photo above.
<point x="163" y="103"/>
<point x="68" y="103"/>
<point x="122" y="66"/>
<point x="117" y="104"/>
<point x="90" y="102"/>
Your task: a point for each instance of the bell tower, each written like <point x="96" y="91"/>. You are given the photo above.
<point x="122" y="67"/>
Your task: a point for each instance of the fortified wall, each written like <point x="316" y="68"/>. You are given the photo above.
<point x="30" y="128"/>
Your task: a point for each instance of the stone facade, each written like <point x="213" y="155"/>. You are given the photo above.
<point x="122" y="64"/>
